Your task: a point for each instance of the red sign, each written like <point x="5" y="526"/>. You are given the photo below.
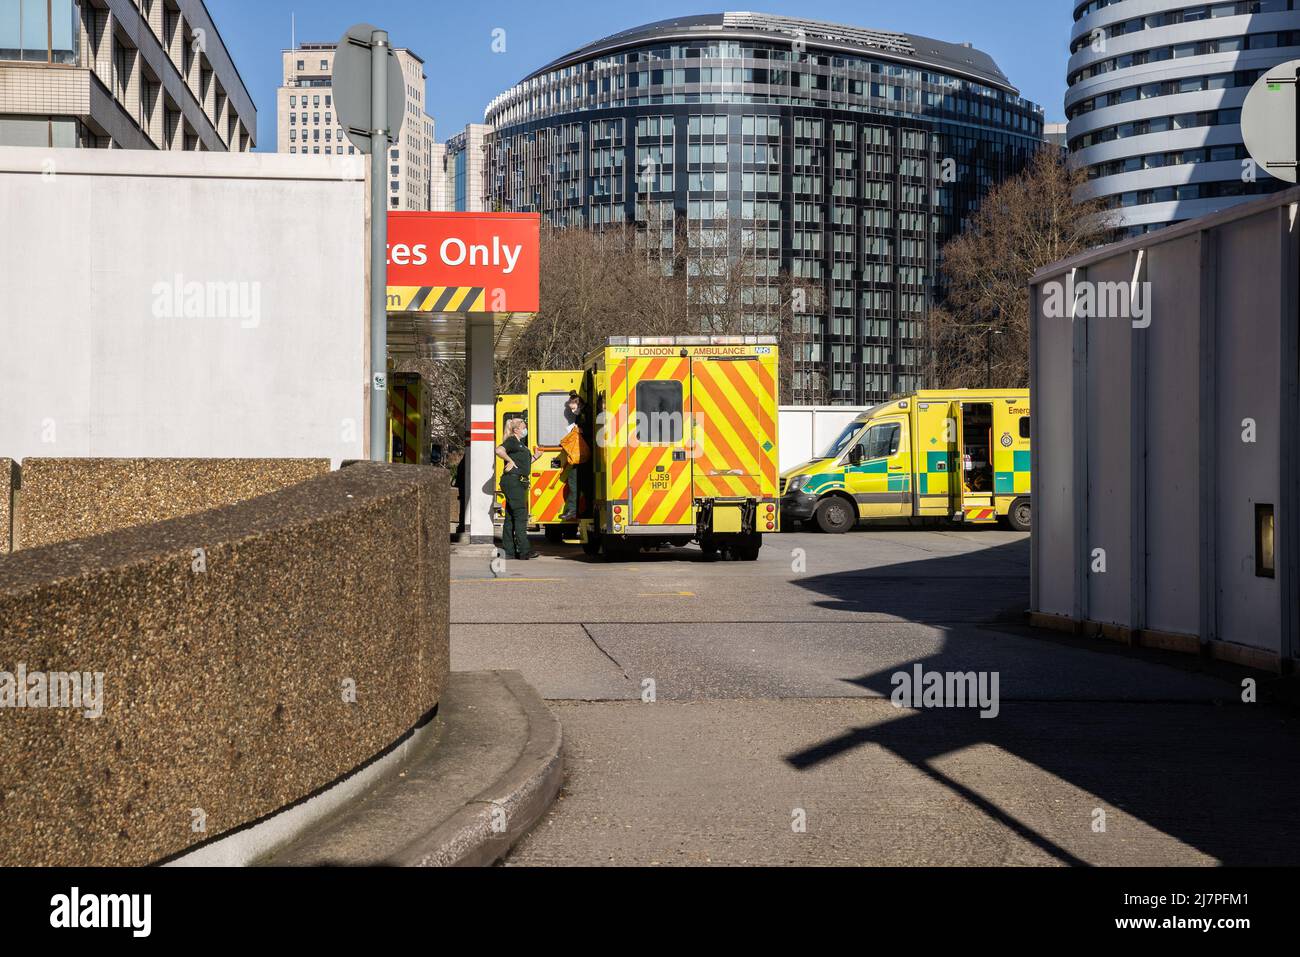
<point x="463" y="262"/>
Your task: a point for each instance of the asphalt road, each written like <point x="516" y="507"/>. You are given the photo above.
<point x="732" y="713"/>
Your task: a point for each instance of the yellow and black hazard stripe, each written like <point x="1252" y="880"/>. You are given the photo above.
<point x="437" y="299"/>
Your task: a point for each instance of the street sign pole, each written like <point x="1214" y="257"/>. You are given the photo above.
<point x="379" y="246"/>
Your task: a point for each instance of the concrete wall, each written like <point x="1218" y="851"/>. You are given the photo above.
<point x="227" y="688"/>
<point x="182" y="305"/>
<point x="66" y="499"/>
<point x="1138" y="440"/>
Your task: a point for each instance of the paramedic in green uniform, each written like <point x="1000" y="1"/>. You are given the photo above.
<point x="514" y="486"/>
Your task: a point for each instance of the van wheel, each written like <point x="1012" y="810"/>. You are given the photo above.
<point x="1020" y="516"/>
<point x="591" y="545"/>
<point x="835" y="515"/>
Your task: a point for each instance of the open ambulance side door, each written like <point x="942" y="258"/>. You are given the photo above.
<point x="548" y="394"/>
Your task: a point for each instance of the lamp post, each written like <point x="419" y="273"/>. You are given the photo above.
<point x="988" y="356"/>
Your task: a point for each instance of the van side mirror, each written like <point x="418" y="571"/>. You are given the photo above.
<point x="857" y="454"/>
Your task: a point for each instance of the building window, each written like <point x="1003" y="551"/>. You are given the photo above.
<point x="1264" y="567"/>
<point x="39" y="31"/>
<point x="325" y="65"/>
<point x="659" y="412"/>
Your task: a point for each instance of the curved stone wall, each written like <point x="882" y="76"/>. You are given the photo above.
<point x="63" y="499"/>
<point x="249" y="656"/>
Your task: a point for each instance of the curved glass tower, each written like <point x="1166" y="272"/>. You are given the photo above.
<point x="839" y="156"/>
<point x="1154" y="102"/>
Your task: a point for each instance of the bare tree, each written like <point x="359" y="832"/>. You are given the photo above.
<point x="594" y="285"/>
<point x="655" y="278"/>
<point x="979" y="335"/>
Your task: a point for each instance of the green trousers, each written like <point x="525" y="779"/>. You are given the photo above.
<point x="571" y="490"/>
<point x="514" y="534"/>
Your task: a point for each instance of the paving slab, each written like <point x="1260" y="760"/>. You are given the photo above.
<point x="732" y="782"/>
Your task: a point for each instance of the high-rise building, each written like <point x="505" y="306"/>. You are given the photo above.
<point x="1154" y="102"/>
<point x="1056" y="134"/>
<point x="839" y="156"/>
<point x="464" y="170"/>
<point x="119" y="74"/>
<point x="306" y="122"/>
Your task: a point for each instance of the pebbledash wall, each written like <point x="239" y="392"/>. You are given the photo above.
<point x="241" y="660"/>
<point x="1166" y="468"/>
<point x="168" y="304"/>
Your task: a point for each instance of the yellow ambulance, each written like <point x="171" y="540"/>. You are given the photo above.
<point x="543" y="408"/>
<point x="686" y="444"/>
<point x="683" y="439"/>
<point x="956" y="454"/>
<point x="509" y="405"/>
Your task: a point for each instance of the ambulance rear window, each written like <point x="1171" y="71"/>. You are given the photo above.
<point x="1024" y="426"/>
<point x="659" y="412"/>
<point x="551" y="423"/>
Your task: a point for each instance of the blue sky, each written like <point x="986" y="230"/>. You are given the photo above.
<point x="1027" y="38"/>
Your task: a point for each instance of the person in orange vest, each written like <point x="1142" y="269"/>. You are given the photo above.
<point x="576" y="416"/>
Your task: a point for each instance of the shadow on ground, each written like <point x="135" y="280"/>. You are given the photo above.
<point x="1220" y="776"/>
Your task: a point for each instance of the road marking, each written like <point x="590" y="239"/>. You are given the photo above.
<point x="667" y="594"/>
<point x="500" y="581"/>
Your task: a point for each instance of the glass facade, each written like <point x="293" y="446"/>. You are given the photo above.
<point x="844" y="171"/>
<point x="39" y="31"/>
